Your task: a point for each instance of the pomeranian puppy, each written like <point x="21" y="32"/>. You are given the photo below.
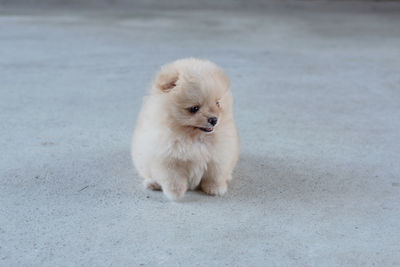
<point x="185" y="135"/>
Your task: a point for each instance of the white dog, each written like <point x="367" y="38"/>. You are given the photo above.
<point x="185" y="135"/>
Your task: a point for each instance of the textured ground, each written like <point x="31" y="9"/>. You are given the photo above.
<point x="317" y="93"/>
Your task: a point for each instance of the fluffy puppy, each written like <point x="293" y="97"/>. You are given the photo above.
<point x="185" y="135"/>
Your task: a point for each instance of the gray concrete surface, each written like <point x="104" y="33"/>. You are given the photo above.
<point x="317" y="92"/>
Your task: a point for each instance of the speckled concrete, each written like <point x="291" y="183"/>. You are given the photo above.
<point x="317" y="103"/>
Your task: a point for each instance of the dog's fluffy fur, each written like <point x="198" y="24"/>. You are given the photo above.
<point x="175" y="146"/>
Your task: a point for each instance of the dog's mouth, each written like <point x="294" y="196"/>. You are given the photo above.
<point x="207" y="130"/>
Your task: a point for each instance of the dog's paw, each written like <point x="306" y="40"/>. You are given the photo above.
<point x="175" y="191"/>
<point x="151" y="184"/>
<point x="213" y="188"/>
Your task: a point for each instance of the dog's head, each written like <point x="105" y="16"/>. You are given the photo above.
<point x="195" y="92"/>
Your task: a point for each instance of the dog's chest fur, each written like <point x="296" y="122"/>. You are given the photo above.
<point x="195" y="156"/>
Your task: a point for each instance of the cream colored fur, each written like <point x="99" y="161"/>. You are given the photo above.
<point x="169" y="149"/>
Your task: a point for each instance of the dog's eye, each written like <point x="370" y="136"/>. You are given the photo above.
<point x="194" y="109"/>
<point x="217" y="103"/>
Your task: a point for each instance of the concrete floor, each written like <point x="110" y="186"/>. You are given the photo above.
<point x="317" y="91"/>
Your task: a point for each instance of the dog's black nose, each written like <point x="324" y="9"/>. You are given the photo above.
<point x="212" y="120"/>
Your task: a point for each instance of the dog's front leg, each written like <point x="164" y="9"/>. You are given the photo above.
<point x="214" y="181"/>
<point x="173" y="183"/>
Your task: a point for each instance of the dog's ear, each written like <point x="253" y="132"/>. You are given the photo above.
<point x="167" y="78"/>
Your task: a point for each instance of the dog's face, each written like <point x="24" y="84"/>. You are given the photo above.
<point x="194" y="98"/>
<point x="197" y="105"/>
